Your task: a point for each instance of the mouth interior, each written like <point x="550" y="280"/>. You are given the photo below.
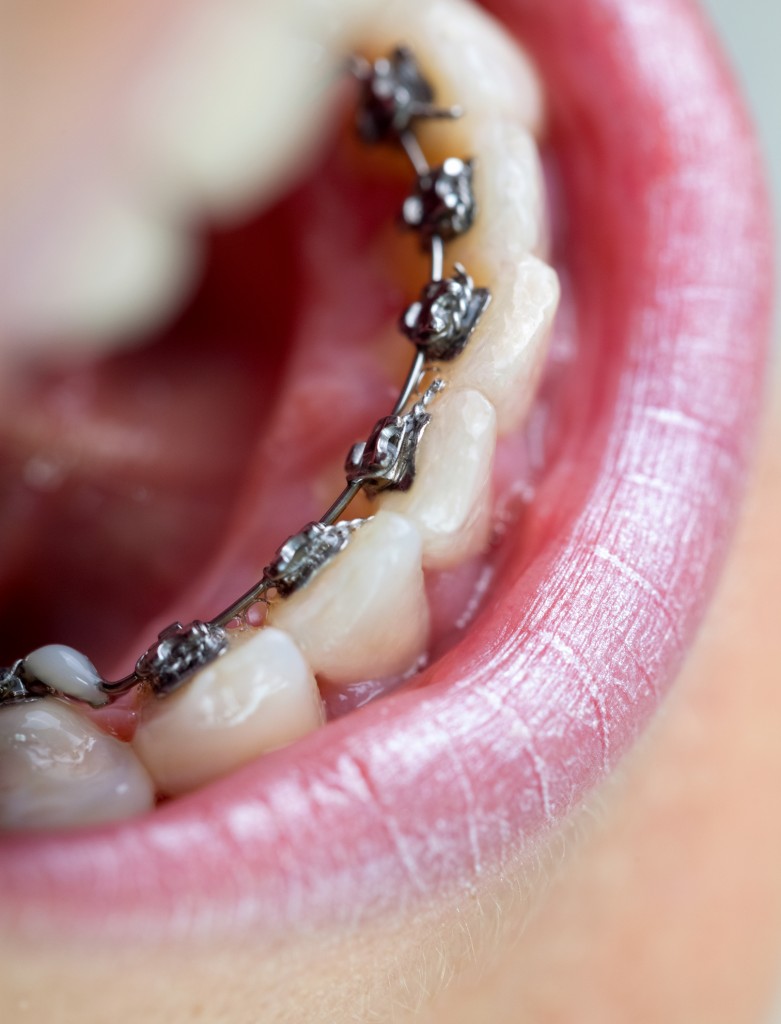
<point x="155" y="484"/>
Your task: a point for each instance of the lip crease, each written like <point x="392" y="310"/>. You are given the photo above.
<point x="665" y="249"/>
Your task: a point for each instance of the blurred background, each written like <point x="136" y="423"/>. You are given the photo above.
<point x="751" y="30"/>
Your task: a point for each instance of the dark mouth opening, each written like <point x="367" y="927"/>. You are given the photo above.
<point x="155" y="483"/>
<point x="120" y="473"/>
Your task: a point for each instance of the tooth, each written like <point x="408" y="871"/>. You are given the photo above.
<point x="450" y="500"/>
<point x="510" y="194"/>
<point x="365" y="615"/>
<point x="504" y="356"/>
<point x="259" y="696"/>
<point x="205" y="143"/>
<point x="225" y="106"/>
<point x="106" y="270"/>
<point x="236" y="105"/>
<point x="477" y="64"/>
<point x="68" y="672"/>
<point x="58" y="769"/>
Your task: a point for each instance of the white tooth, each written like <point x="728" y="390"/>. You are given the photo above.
<point x="68" y="672"/>
<point x="481" y="69"/>
<point x="57" y="769"/>
<point x="510" y="194"/>
<point x="476" y="63"/>
<point x="105" y="270"/>
<point x="235" y="104"/>
<point x="450" y="499"/>
<point x="259" y="696"/>
<point x="225" y="108"/>
<point x="365" y="615"/>
<point x="504" y="356"/>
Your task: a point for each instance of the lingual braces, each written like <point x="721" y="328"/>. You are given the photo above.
<point x="394" y="96"/>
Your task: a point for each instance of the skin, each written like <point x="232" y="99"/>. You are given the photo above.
<point x="660" y="901"/>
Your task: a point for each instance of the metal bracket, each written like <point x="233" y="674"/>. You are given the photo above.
<point x="443" y="319"/>
<point x="306" y="552"/>
<point x="180" y="651"/>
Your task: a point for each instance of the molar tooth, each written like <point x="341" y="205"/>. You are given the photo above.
<point x="365" y="615"/>
<point x="258" y="696"/>
<point x="58" y="769"/>
<point x="505" y="354"/>
<point x="449" y="502"/>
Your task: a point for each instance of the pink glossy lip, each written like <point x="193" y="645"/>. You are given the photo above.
<point x="667" y="252"/>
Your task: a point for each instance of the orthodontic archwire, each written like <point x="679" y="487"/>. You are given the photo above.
<point x="394" y="95"/>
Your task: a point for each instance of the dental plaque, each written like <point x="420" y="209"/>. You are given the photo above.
<point x="215" y="694"/>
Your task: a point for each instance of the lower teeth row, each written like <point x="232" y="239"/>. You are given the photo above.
<point x="58" y="767"/>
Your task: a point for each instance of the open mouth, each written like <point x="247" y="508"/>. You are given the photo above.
<point x="623" y="488"/>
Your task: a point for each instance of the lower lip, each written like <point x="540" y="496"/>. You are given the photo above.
<point x="667" y="255"/>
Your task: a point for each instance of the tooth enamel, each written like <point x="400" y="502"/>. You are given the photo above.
<point x="211" y="142"/>
<point x="259" y="696"/>
<point x="236" y="106"/>
<point x="68" y="672"/>
<point x="477" y="64"/>
<point x="505" y="354"/>
<point x="450" y="499"/>
<point x="106" y="272"/>
<point x="58" y="769"/>
<point x="365" y="615"/>
<point x="510" y="193"/>
<point x="225" y="106"/>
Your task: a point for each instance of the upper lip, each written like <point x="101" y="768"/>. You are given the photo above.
<point x="666" y="254"/>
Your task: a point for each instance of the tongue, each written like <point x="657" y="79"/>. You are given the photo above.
<point x="155" y="484"/>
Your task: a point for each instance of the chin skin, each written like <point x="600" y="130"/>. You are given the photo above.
<point x="660" y="901"/>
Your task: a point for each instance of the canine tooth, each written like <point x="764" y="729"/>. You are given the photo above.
<point x="449" y="502"/>
<point x="68" y="672"/>
<point x="504" y="356"/>
<point x="259" y="696"/>
<point x="58" y="769"/>
<point x="366" y="614"/>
